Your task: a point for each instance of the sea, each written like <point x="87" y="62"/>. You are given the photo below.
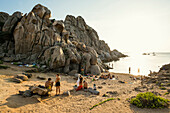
<point x="140" y="64"/>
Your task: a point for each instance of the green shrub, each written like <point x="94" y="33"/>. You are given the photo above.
<point x="101" y="103"/>
<point x="161" y="84"/>
<point x="4" y="67"/>
<point x="149" y="100"/>
<point x="127" y="99"/>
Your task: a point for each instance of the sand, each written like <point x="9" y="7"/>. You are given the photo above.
<point x="77" y="102"/>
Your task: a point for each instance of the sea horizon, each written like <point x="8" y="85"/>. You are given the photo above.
<point x="144" y="63"/>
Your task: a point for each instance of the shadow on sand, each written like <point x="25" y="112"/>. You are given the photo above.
<point x="72" y="93"/>
<point x="15" y="101"/>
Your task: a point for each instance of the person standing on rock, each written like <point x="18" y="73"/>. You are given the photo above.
<point x="57" y="84"/>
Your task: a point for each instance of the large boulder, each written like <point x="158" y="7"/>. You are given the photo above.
<point x="54" y="57"/>
<point x="22" y="77"/>
<point x="34" y="32"/>
<point x="41" y="11"/>
<point x="95" y="70"/>
<point x="73" y="72"/>
<point x="39" y="91"/>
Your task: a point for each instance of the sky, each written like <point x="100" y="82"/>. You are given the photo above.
<point x="126" y="25"/>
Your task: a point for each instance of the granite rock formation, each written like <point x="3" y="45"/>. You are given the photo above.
<point x="63" y="46"/>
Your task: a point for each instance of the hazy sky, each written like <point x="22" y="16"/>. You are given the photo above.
<point x="126" y="25"/>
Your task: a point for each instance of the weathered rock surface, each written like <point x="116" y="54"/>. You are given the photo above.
<point x="54" y="57"/>
<point x="3" y="17"/>
<point x="22" y="77"/>
<point x="73" y="72"/>
<point x="161" y="78"/>
<point x="39" y="91"/>
<point x="165" y="67"/>
<point x="80" y="31"/>
<point x="94" y="69"/>
<point x="62" y="46"/>
<point x="11" y="22"/>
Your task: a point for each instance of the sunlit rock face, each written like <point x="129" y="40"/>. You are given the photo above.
<point x="64" y="46"/>
<point x="80" y="31"/>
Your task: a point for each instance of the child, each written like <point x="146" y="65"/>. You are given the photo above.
<point x="85" y="84"/>
<point x="94" y="86"/>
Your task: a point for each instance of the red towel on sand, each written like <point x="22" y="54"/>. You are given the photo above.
<point x="79" y="88"/>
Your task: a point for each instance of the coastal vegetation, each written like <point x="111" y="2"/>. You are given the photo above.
<point x="149" y="100"/>
<point x="101" y="103"/>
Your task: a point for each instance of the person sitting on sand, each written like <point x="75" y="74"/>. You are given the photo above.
<point x="102" y="76"/>
<point x="49" y="84"/>
<point x="85" y="85"/>
<point x="108" y="75"/>
<point x="80" y="84"/>
<point x="105" y="77"/>
<point x="57" y="84"/>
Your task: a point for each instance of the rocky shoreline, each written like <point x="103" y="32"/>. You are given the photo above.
<point x="62" y="46"/>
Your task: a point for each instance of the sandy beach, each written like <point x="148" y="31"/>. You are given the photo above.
<point x="77" y="102"/>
